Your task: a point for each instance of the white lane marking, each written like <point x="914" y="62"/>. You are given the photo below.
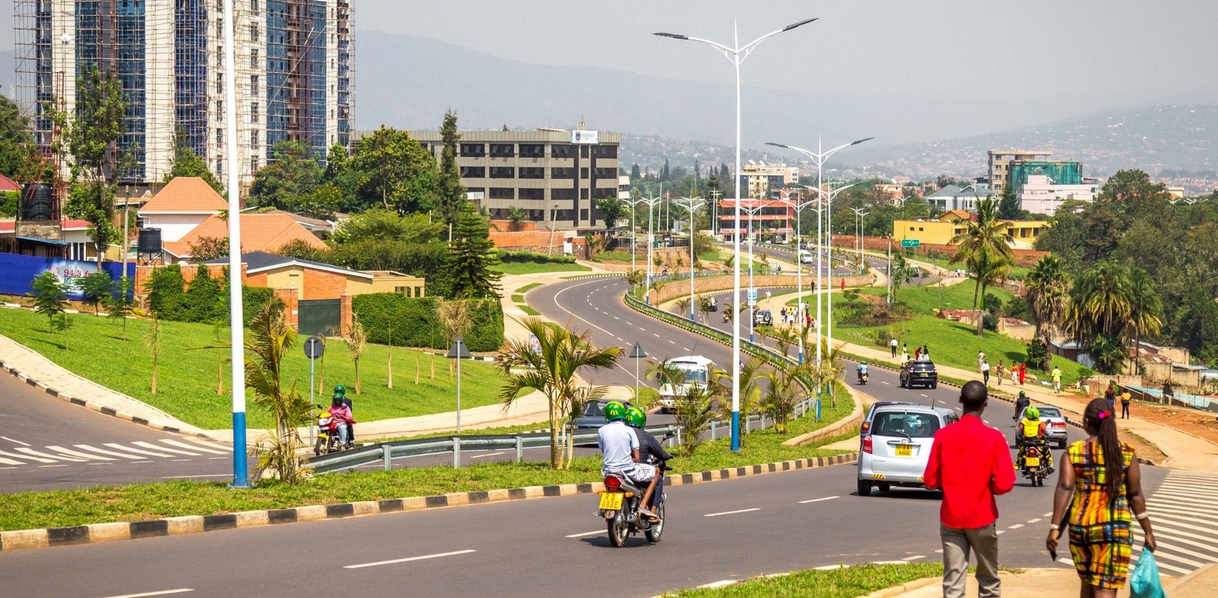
<point x="883" y="382"/>
<point x="914" y="557"/>
<point x="655" y="335"/>
<point x="10" y="462"/>
<point x="91" y="464"/>
<point x="86" y="447"/>
<point x="207" y="475"/>
<point x="924" y="394"/>
<point x="1016" y="526"/>
<point x="160" y="593"/>
<point x="172" y="452"/>
<point x="200" y="447"/>
<point x="115" y="445"/>
<point x="670" y="342"/>
<point x="616" y="318"/>
<point x="1037" y="520"/>
<point x="72" y="453"/>
<point x="628" y="323"/>
<point x="1" y="468"/>
<point x="1047" y="515"/>
<point x="599" y="531"/>
<point x="486" y="455"/>
<point x="407" y="560"/>
<point x="215" y="458"/>
<point x="732" y="512"/>
<point x="14" y="441"/>
<point x="179" y="460"/>
<point x="207" y="444"/>
<point x="53" y="457"/>
<point x="1066" y="561"/>
<point x="1001" y="531"/>
<point x="804" y="502"/>
<point x="61" y="465"/>
<point x="722" y="583"/>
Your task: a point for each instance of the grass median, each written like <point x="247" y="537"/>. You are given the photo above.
<point x="847" y="582"/>
<point x="536" y="268"/>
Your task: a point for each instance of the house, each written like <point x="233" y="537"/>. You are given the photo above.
<point x="259" y="232"/>
<point x="180" y="207"/>
<point x="8" y="185"/>
<point x="955" y="197"/>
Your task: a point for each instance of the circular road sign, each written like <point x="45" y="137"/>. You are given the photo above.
<point x="313" y="347"/>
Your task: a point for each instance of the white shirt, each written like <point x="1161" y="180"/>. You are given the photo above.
<point x="985" y="367"/>
<point x="617" y="442"/>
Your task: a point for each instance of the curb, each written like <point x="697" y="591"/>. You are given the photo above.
<point x="173" y="526"/>
<point x="90" y="405"/>
<point x="903" y="588"/>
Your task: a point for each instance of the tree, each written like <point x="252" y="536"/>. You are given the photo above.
<point x="208" y="248"/>
<point x="1008" y="205"/>
<point x="269" y="341"/>
<point x="292" y="176"/>
<point x="902" y="272"/>
<point x="613" y="209"/>
<point x="750" y="376"/>
<point x="516" y="216"/>
<point x="984" y="248"/>
<point x="1048" y="295"/>
<point x="451" y="193"/>
<point x="94" y="288"/>
<point x="471" y="258"/>
<point x="120" y="302"/>
<point x="455" y="321"/>
<point x="50" y="296"/>
<point x="1145" y="309"/>
<point x="18" y="155"/>
<point x="551" y="370"/>
<point x="356" y="339"/>
<point x="395" y="171"/>
<point x="781" y="394"/>
<point x="152" y="340"/>
<point x="379" y="224"/>
<point x="187" y="163"/>
<point x="694" y="412"/>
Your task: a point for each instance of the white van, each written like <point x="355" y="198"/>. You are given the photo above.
<point x="806" y="257"/>
<point x="697" y="370"/>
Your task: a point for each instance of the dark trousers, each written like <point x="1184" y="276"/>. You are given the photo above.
<point x="1124" y="409"/>
<point x="985" y="377"/>
<point x="894" y="351"/>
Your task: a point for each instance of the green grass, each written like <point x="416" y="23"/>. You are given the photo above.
<point x="528" y="287"/>
<point x="517" y="298"/>
<point x="812" y="583"/>
<point x="187" y="379"/>
<point x="535" y="268"/>
<point x="529" y="310"/>
<point x="613" y="256"/>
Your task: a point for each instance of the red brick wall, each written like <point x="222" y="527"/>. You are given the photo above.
<point x="290" y="298"/>
<point x="319" y="284"/>
<point x="1023" y="257"/>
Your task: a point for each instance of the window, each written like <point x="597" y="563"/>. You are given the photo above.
<point x="532" y="173"/>
<point x="604" y="173"/>
<point x="562" y="194"/>
<point x="532" y="194"/>
<point x="583" y="173"/>
<point x="219" y="106"/>
<point x="254" y="84"/>
<point x="220" y="137"/>
<point x="473" y="150"/>
<point x="583" y="194"/>
<point x="583" y="214"/>
<point x="254" y="58"/>
<point x="583" y="151"/>
<point x="604" y="151"/>
<point x="562" y="151"/>
<point x="532" y="150"/>
<point x="254" y="31"/>
<point x="503" y="172"/>
<point x="503" y="193"/>
<point x="253" y="112"/>
<point x="562" y="173"/>
<point x="254" y="164"/>
<point x="473" y="172"/>
<point x="254" y="139"/>
<point x="502" y="150"/>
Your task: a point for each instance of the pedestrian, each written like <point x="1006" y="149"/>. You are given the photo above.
<point x="985" y="373"/>
<point x="1125" y="405"/>
<point x="1125" y="396"/>
<point x="970" y="462"/>
<point x="1014" y="373"/>
<point x="1098" y="496"/>
<point x="904" y="357"/>
<point x="1023" y="373"/>
<point x="1001" y="372"/>
<point x="843" y="285"/>
<point x="980" y="358"/>
<point x="1057" y="379"/>
<point x="925" y="353"/>
<point x="917" y="353"/>
<point x="1110" y="392"/>
<point x="893" y="345"/>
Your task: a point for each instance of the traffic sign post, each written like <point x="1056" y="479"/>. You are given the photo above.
<point x="313" y="349"/>
<point x="910" y="243"/>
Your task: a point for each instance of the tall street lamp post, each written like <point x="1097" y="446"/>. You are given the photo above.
<point x="752" y="294"/>
<point x="799" y="206"/>
<point x="858" y="234"/>
<point x="691" y="205"/>
<point x="736" y="55"/>
<point x="634" y="236"/>
<point x="237" y="319"/>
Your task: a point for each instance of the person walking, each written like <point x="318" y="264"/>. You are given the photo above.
<point x="1125" y="405"/>
<point x="1125" y="396"/>
<point x="1057" y="379"/>
<point x="1023" y="373"/>
<point x="970" y="462"/>
<point x="1110" y="392"/>
<point x="1099" y="494"/>
<point x="985" y="373"/>
<point x="980" y="359"/>
<point x="1014" y="373"/>
<point x="1001" y="372"/>
<point x="893" y="345"/>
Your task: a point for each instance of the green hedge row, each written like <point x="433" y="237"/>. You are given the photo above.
<point x="532" y="256"/>
<point x="205" y="299"/>
<point x="414" y="323"/>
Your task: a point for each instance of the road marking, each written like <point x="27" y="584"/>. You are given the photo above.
<point x="72" y="453"/>
<point x="14" y="441"/>
<point x="208" y="475"/>
<point x="486" y="455"/>
<point x="86" y="447"/>
<point x="722" y="583"/>
<point x="924" y="394"/>
<point x="670" y="342"/>
<point x="1047" y="515"/>
<point x="1066" y="561"/>
<point x="889" y="562"/>
<point x="1016" y="526"/>
<point x="59" y="457"/>
<point x="914" y="557"/>
<point x="804" y="502"/>
<point x="10" y="462"/>
<point x="115" y="445"/>
<point x="883" y="382"/>
<point x="407" y="560"/>
<point x="160" y="593"/>
<point x="655" y="335"/>
<point x="829" y="567"/>
<point x="53" y="465"/>
<point x="1037" y="520"/>
<point x="196" y="447"/>
<point x="1001" y="531"/>
<point x="218" y="447"/>
<point x="8" y="467"/>
<point x="732" y="512"/>
<point x="179" y="460"/>
<point x="216" y="458"/>
<point x="599" y="531"/>
<point x="172" y="452"/>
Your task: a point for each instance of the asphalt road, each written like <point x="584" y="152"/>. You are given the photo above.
<point x="47" y="443"/>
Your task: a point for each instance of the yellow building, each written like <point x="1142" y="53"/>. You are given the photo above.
<point x="940" y="231"/>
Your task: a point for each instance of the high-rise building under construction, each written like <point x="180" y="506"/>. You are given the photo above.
<point x="294" y="73"/>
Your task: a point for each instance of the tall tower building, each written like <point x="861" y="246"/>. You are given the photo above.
<point x="294" y="73"/>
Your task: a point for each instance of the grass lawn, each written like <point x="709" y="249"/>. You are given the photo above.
<point x="517" y="298"/>
<point x="529" y="310"/>
<point x="812" y="583"/>
<point x="59" y="508"/>
<point x="187" y="379"/>
<point x="613" y="256"/>
<point x="528" y="287"/>
<point x="536" y="268"/>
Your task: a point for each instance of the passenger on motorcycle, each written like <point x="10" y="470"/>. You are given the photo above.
<point x="341" y="391"/>
<point x="1021" y="403"/>
<point x="861" y="369"/>
<point x="1031" y="431"/>
<point x="341" y="415"/>
<point x="651" y="451"/>
<point x="620" y="448"/>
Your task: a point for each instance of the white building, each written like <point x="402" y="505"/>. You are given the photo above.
<point x="954" y="197"/>
<point x="1040" y="195"/>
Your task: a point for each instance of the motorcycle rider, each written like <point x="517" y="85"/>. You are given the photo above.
<point x="341" y="391"/>
<point x="620" y="449"/>
<point x="861" y="369"/>
<point x="1031" y="431"/>
<point x="650" y="450"/>
<point x="1021" y="403"/>
<point x="342" y="415"/>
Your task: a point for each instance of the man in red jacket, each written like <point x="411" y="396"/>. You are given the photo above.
<point x="971" y="463"/>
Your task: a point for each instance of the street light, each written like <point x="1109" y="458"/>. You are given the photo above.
<point x="651" y="205"/>
<point x="736" y="56"/>
<point x="458" y="351"/>
<point x="691" y="205"/>
<point x="819" y="157"/>
<point x="829" y="195"/>
<point x="634" y="236"/>
<point x="858" y="234"/>
<point x="637" y="353"/>
<point x="752" y="291"/>
<point x="236" y="323"/>
<point x="799" y="267"/>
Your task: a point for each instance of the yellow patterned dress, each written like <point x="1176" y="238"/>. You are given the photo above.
<point x="1100" y="535"/>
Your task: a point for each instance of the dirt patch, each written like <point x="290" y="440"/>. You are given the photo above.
<point x="1193" y="421"/>
<point x="1142" y="447"/>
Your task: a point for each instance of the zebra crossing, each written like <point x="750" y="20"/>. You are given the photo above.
<point x="15" y="453"/>
<point x="1184" y="518"/>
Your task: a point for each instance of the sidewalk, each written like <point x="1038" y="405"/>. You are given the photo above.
<point x="1061" y="583"/>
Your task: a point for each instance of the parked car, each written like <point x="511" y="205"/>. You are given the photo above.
<point x="896" y="449"/>
<point x="1056" y="424"/>
<point x="593" y="415"/>
<point x="919" y="373"/>
<point x="763" y="317"/>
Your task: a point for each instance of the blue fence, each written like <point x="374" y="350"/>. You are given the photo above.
<point x="18" y="271"/>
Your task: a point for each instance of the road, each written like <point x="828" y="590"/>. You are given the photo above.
<point x="47" y="443"/>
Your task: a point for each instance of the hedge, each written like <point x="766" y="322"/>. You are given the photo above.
<point x="204" y="300"/>
<point x="532" y="256"/>
<point x="414" y="323"/>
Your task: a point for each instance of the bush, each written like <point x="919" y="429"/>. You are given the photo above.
<point x="206" y="300"/>
<point x="990" y="322"/>
<point x="537" y="258"/>
<point x="1038" y="354"/>
<point x="166" y="296"/>
<point x="991" y="304"/>
<point x="9" y="201"/>
<point x="414" y="323"/>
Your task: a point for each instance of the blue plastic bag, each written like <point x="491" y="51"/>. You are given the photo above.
<point x="1144" y="581"/>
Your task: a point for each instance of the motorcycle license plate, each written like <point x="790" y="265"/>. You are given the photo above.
<point x="611" y="501"/>
<point x="904" y="450"/>
<point x="1032" y="461"/>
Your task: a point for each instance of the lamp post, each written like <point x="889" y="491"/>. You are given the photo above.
<point x="634" y="237"/>
<point x="858" y="233"/>
<point x="829" y="195"/>
<point x="819" y="158"/>
<point x="736" y="55"/>
<point x="691" y="205"/>
<point x="637" y="353"/>
<point x="651" y="205"/>
<point x="752" y="291"/>
<point x="799" y="206"/>
<point x="236" y="323"/>
<point x="458" y="351"/>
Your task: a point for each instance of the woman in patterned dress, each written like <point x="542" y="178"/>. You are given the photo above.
<point x="1099" y="498"/>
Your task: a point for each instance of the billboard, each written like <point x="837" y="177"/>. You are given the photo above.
<point x="17" y="271"/>
<point x="585" y="137"/>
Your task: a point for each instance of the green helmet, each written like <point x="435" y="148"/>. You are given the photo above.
<point x="1023" y="394"/>
<point x="635" y="417"/>
<point x="339" y="389"/>
<point x="1032" y="413"/>
<point x="614" y="411"/>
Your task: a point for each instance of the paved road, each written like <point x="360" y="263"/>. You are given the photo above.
<point x="48" y="444"/>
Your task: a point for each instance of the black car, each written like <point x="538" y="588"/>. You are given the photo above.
<point x="919" y="373"/>
<point x="763" y="317"/>
<point x="592" y="417"/>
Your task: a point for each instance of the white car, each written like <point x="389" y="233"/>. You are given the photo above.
<point x="806" y="257"/>
<point x="896" y="447"/>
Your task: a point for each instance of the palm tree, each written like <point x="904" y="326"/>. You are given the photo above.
<point x="655" y="286"/>
<point x="682" y="305"/>
<point x="270" y="341"/>
<point x="516" y="215"/>
<point x="635" y="277"/>
<point x="781" y="394"/>
<point x="356" y="339"/>
<point x="829" y="370"/>
<point x="984" y="248"/>
<point x="1100" y="307"/>
<point x="1146" y="311"/>
<point x="1048" y="295"/>
<point x="750" y="375"/>
<point x="551" y="371"/>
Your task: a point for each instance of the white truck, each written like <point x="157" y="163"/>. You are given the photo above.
<point x="696" y="369"/>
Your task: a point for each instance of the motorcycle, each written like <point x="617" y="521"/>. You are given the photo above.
<point x="862" y="378"/>
<point x="327" y="435"/>
<point x="1034" y="464"/>
<point x="619" y="507"/>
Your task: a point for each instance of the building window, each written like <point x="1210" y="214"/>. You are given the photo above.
<point x="254" y="84"/>
<point x="254" y="139"/>
<point x="469" y="191"/>
<point x="502" y="150"/>
<point x="532" y="150"/>
<point x="562" y="194"/>
<point x="503" y="193"/>
<point x="254" y="58"/>
<point x="254" y="164"/>
<point x="473" y="172"/>
<point x="562" y="173"/>
<point x="254" y="31"/>
<point x="527" y="172"/>
<point x="604" y="151"/>
<point x="583" y="173"/>
<point x="473" y="150"/>
<point x="253" y="112"/>
<point x="503" y="172"/>
<point x="583" y="194"/>
<point x="220" y="137"/>
<point x="562" y="151"/>
<point x="583" y="214"/>
<point x="532" y="194"/>
<point x="606" y="173"/>
<point x="583" y="151"/>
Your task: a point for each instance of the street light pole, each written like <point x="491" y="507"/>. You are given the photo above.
<point x="691" y="205"/>
<point x="236" y="323"/>
<point x="752" y="292"/>
<point x="799" y="268"/>
<point x="858" y="234"/>
<point x="634" y="236"/>
<point x="736" y="56"/>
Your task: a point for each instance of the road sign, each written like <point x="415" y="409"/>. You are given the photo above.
<point x="313" y="347"/>
<point x="910" y="242"/>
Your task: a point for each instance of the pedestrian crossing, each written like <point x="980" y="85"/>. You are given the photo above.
<point x="14" y="453"/>
<point x="1185" y="521"/>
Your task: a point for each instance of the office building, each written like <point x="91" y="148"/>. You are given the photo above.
<point x="941" y="230"/>
<point x="1012" y="168"/>
<point x="554" y="175"/>
<point x="1041" y="194"/>
<point x="764" y="216"/>
<point x="766" y="180"/>
<point x="294" y="77"/>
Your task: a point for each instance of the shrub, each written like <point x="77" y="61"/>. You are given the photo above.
<point x="205" y="301"/>
<point x="990" y="322"/>
<point x="166" y="293"/>
<point x="414" y="323"/>
<point x="531" y="256"/>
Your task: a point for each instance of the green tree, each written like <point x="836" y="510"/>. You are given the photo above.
<point x="450" y="192"/>
<point x="395" y="171"/>
<point x="1008" y="205"/>
<point x="270" y="340"/>
<point x="551" y="371"/>
<point x="1048" y="295"/>
<point x="289" y="179"/>
<point x="356" y="339"/>
<point x="1198" y="325"/>
<point x="94" y="288"/>
<point x="18" y="156"/>
<point x="750" y="378"/>
<point x="187" y="163"/>
<point x="613" y="210"/>
<point x="984" y="249"/>
<point x="902" y="272"/>
<point x="781" y="394"/>
<point x="1145" y="309"/>
<point x="208" y="248"/>
<point x="120" y="302"/>
<point x="379" y="224"/>
<point x="471" y="257"/>
<point x="516" y="217"/>
<point x="203" y="297"/>
<point x="50" y="296"/>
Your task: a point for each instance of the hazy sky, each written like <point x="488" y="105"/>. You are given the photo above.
<point x="1105" y="52"/>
